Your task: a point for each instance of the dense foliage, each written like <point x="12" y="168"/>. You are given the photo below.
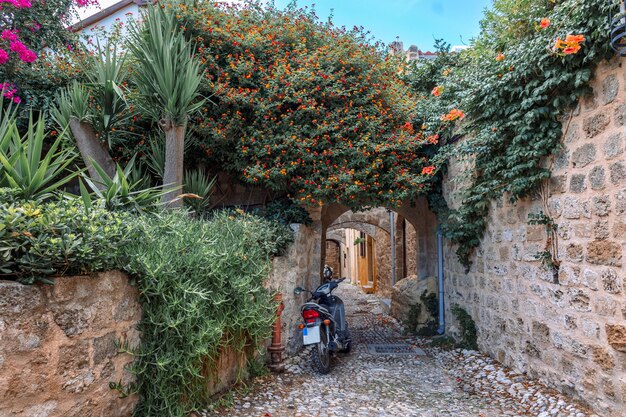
<point x="59" y="237"/>
<point x="305" y="108"/>
<point x="201" y="291"/>
<point x="34" y="42"/>
<point x="518" y="85"/>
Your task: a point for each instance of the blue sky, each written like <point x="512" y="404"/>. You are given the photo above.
<point x="415" y="22"/>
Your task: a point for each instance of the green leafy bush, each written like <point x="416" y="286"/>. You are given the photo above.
<point x="518" y="90"/>
<point x="469" y="334"/>
<point x="61" y="237"/>
<point x="201" y="290"/>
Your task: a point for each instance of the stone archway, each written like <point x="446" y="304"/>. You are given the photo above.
<point x="414" y="231"/>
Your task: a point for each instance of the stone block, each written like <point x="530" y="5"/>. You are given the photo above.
<point x="616" y="336"/>
<point x="583" y="230"/>
<point x="614" y="145"/>
<point x="558" y="184"/>
<point x="597" y="123"/>
<point x="73" y="357"/>
<point x="104" y="347"/>
<point x="610" y="88"/>
<point x="590" y="279"/>
<point x="617" y="172"/>
<point x="584" y="155"/>
<point x="620" y="202"/>
<point x="541" y="331"/>
<point x="611" y="281"/>
<point x="601" y="205"/>
<point x="535" y="233"/>
<point x="620" y="115"/>
<point x="570" y="322"/>
<point x="13" y="296"/>
<point x="601" y="229"/>
<point x="603" y="358"/>
<point x="577" y="184"/>
<point x="73" y="321"/>
<point x="561" y="160"/>
<point x="572" y="208"/>
<point x="619" y="229"/>
<point x="564" y="231"/>
<point x="573" y="133"/>
<point x="590" y="328"/>
<point x="597" y="178"/>
<point x="604" y="252"/>
<point x="606" y="306"/>
<point x="574" y="252"/>
<point x="578" y="299"/>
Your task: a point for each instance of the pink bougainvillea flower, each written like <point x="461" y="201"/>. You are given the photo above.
<point x="544" y="23"/>
<point x="17" y="100"/>
<point x="17" y="46"/>
<point x="9" y="35"/>
<point x="4" y="56"/>
<point x="20" y="4"/>
<point x="28" y="56"/>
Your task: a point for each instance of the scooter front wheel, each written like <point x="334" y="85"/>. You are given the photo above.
<point x="320" y="354"/>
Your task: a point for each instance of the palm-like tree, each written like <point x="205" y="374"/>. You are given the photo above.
<point x="168" y="76"/>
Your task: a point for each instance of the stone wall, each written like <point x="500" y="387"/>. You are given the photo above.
<point x="58" y="346"/>
<point x="299" y="267"/>
<point x="568" y="330"/>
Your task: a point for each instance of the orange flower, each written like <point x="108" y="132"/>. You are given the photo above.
<point x="428" y="170"/>
<point x="545" y="22"/>
<point x="570" y="50"/>
<point x="433" y="139"/>
<point x="500" y="57"/>
<point x="453" y="115"/>
<point x="437" y="91"/>
<point x="407" y="126"/>
<point x="574" y="38"/>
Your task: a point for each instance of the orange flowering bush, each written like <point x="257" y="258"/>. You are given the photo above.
<point x="305" y="108"/>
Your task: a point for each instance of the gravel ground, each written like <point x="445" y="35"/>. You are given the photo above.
<point x="440" y="384"/>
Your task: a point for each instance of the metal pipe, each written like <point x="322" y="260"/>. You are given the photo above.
<point x="392" y="229"/>
<point x="442" y="318"/>
<point x="276" y="349"/>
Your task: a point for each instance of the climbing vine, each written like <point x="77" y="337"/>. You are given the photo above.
<point x="527" y="69"/>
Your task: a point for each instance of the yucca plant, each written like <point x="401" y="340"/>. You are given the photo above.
<point x="168" y="75"/>
<point x="93" y="109"/>
<point x="119" y="192"/>
<point x="34" y="173"/>
<point x="198" y="189"/>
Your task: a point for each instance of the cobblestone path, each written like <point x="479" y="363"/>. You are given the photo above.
<point x="363" y="384"/>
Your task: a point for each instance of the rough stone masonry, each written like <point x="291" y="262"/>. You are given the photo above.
<point x="569" y="331"/>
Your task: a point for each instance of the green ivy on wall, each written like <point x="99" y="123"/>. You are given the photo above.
<point x="518" y="84"/>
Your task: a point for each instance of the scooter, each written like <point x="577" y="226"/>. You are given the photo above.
<point x="325" y="325"/>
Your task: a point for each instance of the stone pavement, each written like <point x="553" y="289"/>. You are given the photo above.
<point x="442" y="384"/>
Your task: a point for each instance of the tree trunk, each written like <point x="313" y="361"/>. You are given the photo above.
<point x="174" y="158"/>
<point x="90" y="149"/>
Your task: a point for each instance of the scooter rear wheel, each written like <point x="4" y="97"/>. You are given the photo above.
<point x="320" y="354"/>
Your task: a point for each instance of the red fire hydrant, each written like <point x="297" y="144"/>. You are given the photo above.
<point x="276" y="349"/>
